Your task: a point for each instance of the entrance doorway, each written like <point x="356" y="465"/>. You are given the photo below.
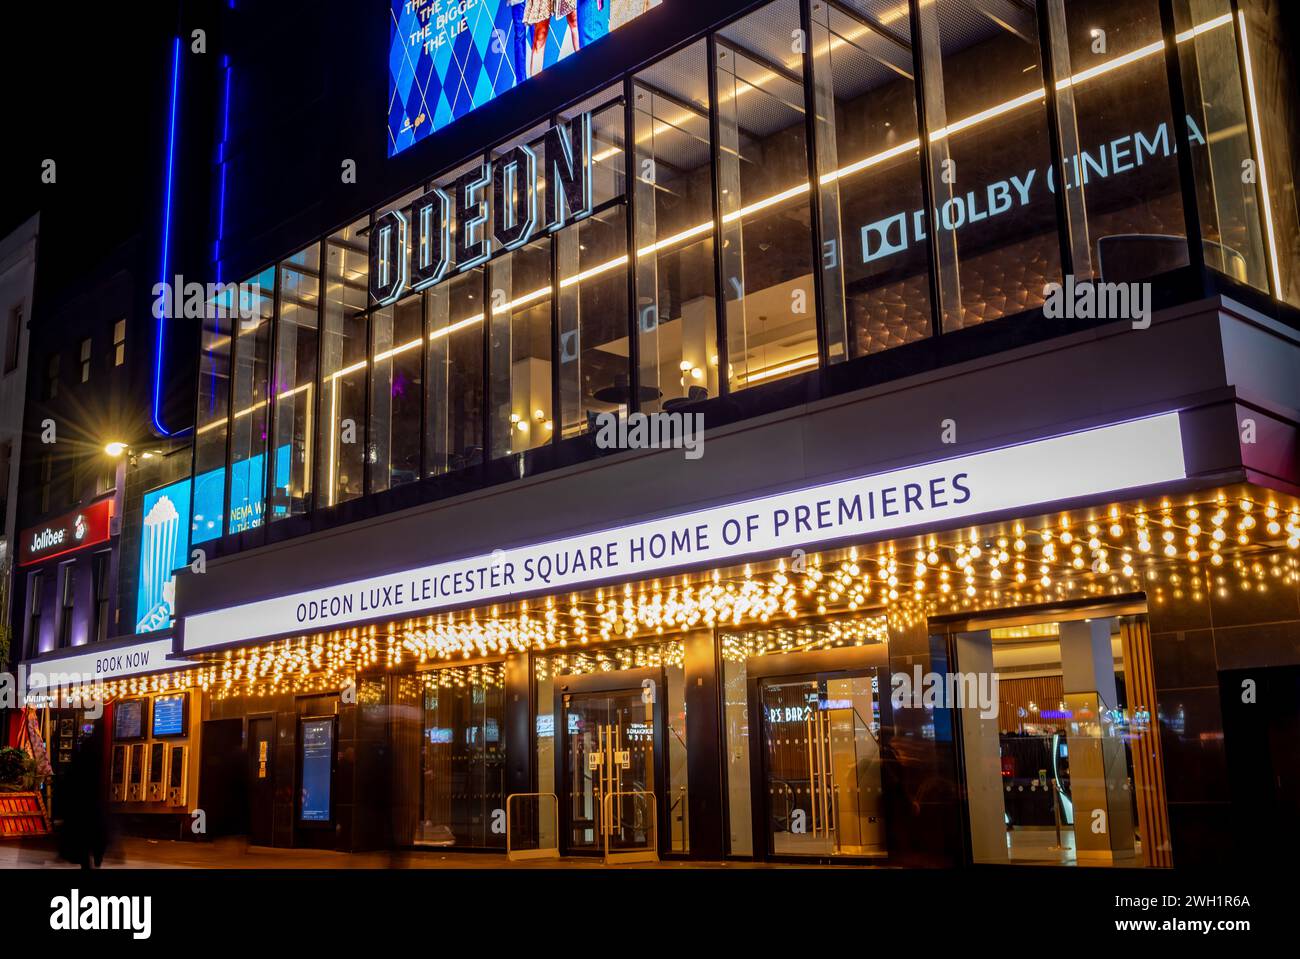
<point x="610" y="764"/>
<point x="817" y="783"/>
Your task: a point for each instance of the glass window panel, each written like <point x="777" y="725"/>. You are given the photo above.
<point x="607" y="159"/>
<point x="294" y="386"/>
<point x="593" y="362"/>
<point x="1229" y="204"/>
<point x="343" y="366"/>
<point x="1271" y="70"/>
<point x="998" y="244"/>
<point x="249" y="402"/>
<point x="463" y="752"/>
<point x="397" y="390"/>
<point x="763" y="195"/>
<point x="520" y="363"/>
<point x="676" y="318"/>
<point x="454" y="325"/>
<point x="876" y="290"/>
<point x="1117" y="134"/>
<point x="207" y="515"/>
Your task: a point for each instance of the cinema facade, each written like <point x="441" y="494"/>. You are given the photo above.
<point x="433" y="612"/>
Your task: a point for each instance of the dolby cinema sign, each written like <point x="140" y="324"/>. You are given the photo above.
<point x="414" y="248"/>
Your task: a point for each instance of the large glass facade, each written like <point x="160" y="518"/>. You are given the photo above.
<point x="762" y="192"/>
<point x="293" y="387"/>
<point x="815" y="182"/>
<point x="249" y="404"/>
<point x="344" y="349"/>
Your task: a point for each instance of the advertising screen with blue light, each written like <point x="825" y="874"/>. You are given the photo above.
<point x="447" y="57"/>
<point x="247" y="508"/>
<point x="164" y="547"/>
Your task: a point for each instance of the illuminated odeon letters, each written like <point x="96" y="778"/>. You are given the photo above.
<point x="416" y="247"/>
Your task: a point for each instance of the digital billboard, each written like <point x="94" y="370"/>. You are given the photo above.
<point x="164" y="547"/>
<point x="446" y="57"/>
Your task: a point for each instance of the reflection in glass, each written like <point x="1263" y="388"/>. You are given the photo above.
<point x="397" y="387"/>
<point x="248" y="398"/>
<point x="454" y="331"/>
<point x="985" y="106"/>
<point x="343" y="365"/>
<point x="676" y="312"/>
<point x="1123" y="199"/>
<point x="763" y="196"/>
<point x="211" y="423"/>
<point x="520" y="307"/>
<point x="1228" y="202"/>
<point x="463" y="752"/>
<point x="593" y="335"/>
<point x="875" y="285"/>
<point x="294" y="383"/>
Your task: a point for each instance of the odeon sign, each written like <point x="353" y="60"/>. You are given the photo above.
<point x="415" y="247"/>
<point x="1088" y="464"/>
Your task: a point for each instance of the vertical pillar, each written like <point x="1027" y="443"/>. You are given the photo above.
<point x="521" y="743"/>
<point x="703" y="747"/>
<point x="919" y="775"/>
<point x="1103" y="803"/>
<point x="985" y="803"/>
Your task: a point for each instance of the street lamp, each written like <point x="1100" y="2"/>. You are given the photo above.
<point x="115" y="449"/>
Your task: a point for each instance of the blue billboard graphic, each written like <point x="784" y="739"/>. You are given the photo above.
<point x="247" y="508"/>
<point x="164" y="546"/>
<point x="446" y="57"/>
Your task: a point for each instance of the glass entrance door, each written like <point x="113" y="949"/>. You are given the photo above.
<point x="821" y="764"/>
<point x="610" y="762"/>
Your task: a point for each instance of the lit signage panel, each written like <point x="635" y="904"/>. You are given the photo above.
<point x="66" y="534"/>
<point x="1089" y="463"/>
<point x="447" y="57"/>
<point x="164" y="546"/>
<point x="114" y="662"/>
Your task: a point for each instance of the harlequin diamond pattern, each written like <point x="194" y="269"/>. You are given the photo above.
<point x="439" y="72"/>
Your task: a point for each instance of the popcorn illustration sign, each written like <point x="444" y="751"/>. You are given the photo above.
<point x="164" y="546"/>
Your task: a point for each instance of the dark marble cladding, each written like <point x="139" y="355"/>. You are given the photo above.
<point x="1194" y="640"/>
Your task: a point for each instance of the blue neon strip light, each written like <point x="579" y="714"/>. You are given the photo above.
<point x="166" y="238"/>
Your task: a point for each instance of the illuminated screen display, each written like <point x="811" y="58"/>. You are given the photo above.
<point x="317" y="766"/>
<point x="169" y="716"/>
<point x="128" y="719"/>
<point x="446" y="57"/>
<point x="164" y="547"/>
<point x="246" y="505"/>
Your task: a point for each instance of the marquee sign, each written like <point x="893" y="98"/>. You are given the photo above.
<point x="1094" y="462"/>
<point x="67" y="533"/>
<point x="102" y="664"/>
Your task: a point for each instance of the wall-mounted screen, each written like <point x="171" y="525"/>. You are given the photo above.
<point x="317" y="769"/>
<point x="164" y="547"/>
<point x="170" y="716"/>
<point x="447" y="57"/>
<point x="128" y="719"/>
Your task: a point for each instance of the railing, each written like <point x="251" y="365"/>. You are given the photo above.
<point x="551" y="852"/>
<point x="648" y="853"/>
